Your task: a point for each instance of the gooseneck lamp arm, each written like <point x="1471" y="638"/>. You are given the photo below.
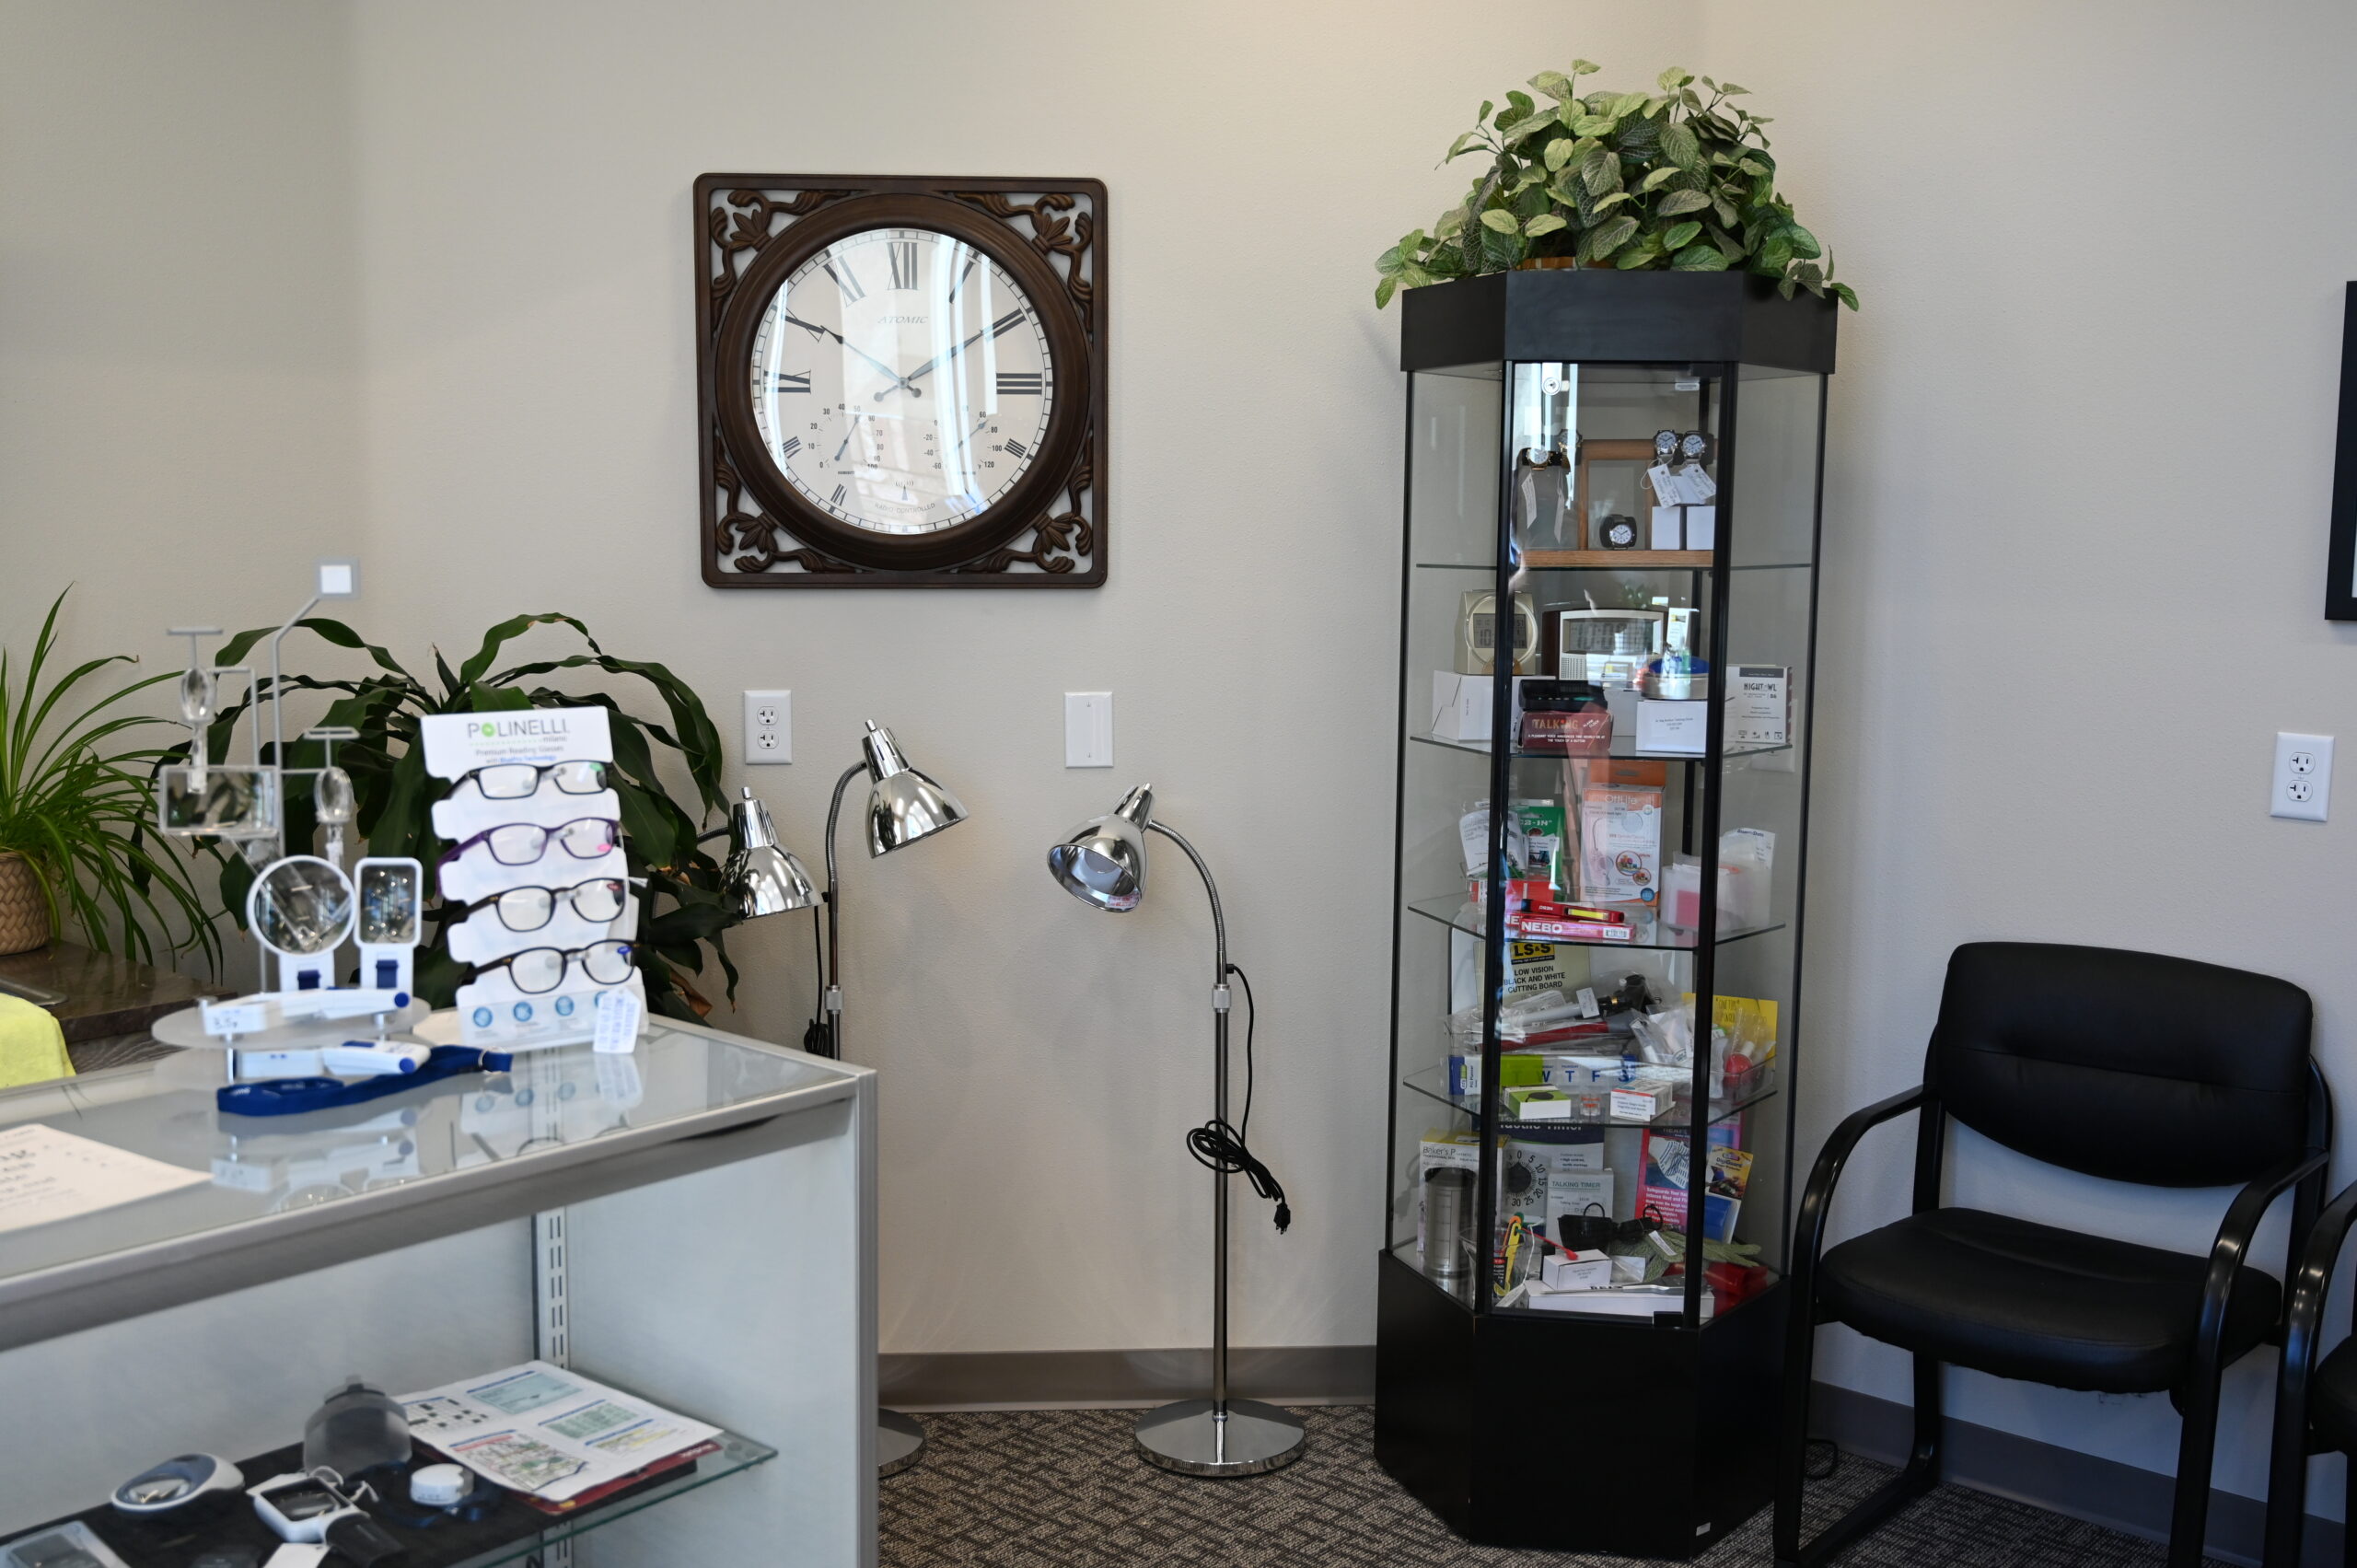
<point x="832" y="1001"/>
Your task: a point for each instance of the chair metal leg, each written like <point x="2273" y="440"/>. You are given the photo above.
<point x="1791" y="1439"/>
<point x="2190" y="1519"/>
<point x="1921" y="1475"/>
<point x="2347" y="1527"/>
<point x="2287" y="1481"/>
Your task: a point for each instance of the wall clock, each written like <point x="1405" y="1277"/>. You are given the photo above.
<point x="902" y="381"/>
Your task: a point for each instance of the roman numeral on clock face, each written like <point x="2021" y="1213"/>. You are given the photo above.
<point x="1016" y="449"/>
<point x="1007" y="323"/>
<point x="846" y="281"/>
<point x="792" y="445"/>
<point x="904" y="263"/>
<point x="839" y="494"/>
<point x="789" y="382"/>
<point x="1015" y="383"/>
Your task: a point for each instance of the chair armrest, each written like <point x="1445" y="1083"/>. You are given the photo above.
<point x="2235" y="1232"/>
<point x="2319" y="1255"/>
<point x="1816" y="1199"/>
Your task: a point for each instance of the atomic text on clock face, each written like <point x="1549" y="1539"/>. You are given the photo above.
<point x="901" y="381"/>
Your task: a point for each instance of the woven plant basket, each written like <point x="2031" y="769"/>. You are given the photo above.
<point x="24" y="912"/>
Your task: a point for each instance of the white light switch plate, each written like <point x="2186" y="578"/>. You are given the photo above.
<point x="1088" y="729"/>
<point x="2303" y="787"/>
<point x="769" y="728"/>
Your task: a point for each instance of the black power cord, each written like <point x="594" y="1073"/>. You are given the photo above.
<point x="1220" y="1148"/>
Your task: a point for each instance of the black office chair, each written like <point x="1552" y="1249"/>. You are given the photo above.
<point x="2123" y="1065"/>
<point x="2316" y="1407"/>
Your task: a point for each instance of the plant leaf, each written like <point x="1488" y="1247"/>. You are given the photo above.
<point x="1557" y="153"/>
<point x="1555" y="85"/>
<point x="1545" y="223"/>
<point x="1499" y="220"/>
<point x="1600" y="172"/>
<point x="1845" y="293"/>
<point x="1679" y="235"/>
<point x="1654" y="180"/>
<point x="1606" y="238"/>
<point x="1679" y="145"/>
<point x="1699" y="259"/>
<point x="1803" y="242"/>
<point x="1383" y="291"/>
<point x="1681" y="201"/>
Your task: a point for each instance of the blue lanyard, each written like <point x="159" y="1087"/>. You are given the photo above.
<point x="291" y="1097"/>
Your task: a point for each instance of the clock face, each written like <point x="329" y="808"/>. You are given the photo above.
<point x="901" y="381"/>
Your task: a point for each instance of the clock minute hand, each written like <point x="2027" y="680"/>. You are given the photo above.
<point x="829" y="331"/>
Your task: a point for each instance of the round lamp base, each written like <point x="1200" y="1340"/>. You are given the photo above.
<point x="899" y="1442"/>
<point x="1252" y="1439"/>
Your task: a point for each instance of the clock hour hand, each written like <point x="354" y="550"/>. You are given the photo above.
<point x="829" y="331"/>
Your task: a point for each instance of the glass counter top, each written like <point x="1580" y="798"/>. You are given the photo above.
<point x="461" y="1132"/>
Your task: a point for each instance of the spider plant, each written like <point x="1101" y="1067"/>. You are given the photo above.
<point x="79" y="805"/>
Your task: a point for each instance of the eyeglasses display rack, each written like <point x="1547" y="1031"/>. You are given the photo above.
<point x="1607" y="661"/>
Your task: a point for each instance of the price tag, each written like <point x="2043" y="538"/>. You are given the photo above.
<point x="617" y="1022"/>
<point x="1699" y="487"/>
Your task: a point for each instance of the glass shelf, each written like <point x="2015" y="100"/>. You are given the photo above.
<point x="513" y="1532"/>
<point x="1624" y="560"/>
<point x="1724" y="1302"/>
<point x="1432" y="1084"/>
<point x="1623" y="748"/>
<point x="1455" y="912"/>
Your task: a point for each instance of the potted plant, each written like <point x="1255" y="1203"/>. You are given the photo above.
<point x="1680" y="180"/>
<point x="77" y="808"/>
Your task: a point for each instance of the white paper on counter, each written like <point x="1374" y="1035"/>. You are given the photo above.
<point x="47" y="1174"/>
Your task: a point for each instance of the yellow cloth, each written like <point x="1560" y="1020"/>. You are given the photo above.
<point x="32" y="1047"/>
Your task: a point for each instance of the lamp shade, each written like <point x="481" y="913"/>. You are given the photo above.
<point x="1102" y="862"/>
<point x="903" y="805"/>
<point x="761" y="878"/>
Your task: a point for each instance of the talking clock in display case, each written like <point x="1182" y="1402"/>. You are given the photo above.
<point x="1597" y="938"/>
<point x="902" y="381"/>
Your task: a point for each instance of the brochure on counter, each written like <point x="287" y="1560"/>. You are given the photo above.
<point x="550" y="1433"/>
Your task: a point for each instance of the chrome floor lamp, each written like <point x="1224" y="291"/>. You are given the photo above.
<point x="1102" y="863"/>
<point x="903" y="805"/>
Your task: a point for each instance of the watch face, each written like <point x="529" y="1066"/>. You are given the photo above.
<point x="1693" y="447"/>
<point x="1664" y="444"/>
<point x="1620" y="533"/>
<point x="901" y="380"/>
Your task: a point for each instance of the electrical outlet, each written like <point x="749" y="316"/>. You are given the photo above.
<point x="769" y="728"/>
<point x="2302" y="786"/>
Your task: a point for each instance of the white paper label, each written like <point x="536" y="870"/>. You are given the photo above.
<point x="457" y="744"/>
<point x="618" y="1014"/>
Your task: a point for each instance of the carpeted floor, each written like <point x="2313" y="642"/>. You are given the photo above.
<point x="1018" y="1489"/>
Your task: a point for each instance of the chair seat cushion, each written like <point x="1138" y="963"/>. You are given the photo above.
<point x="2005" y="1296"/>
<point x="2332" y="1399"/>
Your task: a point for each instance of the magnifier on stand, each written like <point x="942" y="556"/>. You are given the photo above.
<point x="1103" y="864"/>
<point x="761" y="878"/>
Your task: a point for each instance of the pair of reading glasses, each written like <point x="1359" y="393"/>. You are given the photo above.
<point x="521" y="781"/>
<point x="521" y="843"/>
<point x="538" y="970"/>
<point x="598" y="901"/>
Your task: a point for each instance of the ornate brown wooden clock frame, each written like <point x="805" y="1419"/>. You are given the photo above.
<point x="1048" y="531"/>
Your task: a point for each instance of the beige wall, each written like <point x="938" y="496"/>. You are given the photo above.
<point x="178" y="394"/>
<point x="2079" y="457"/>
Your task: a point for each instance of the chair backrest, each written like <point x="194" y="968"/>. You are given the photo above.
<point x="2125" y="1065"/>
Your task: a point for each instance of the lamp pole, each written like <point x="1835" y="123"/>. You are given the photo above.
<point x="1220" y="997"/>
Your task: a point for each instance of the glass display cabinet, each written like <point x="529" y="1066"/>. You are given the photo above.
<point x="1606" y="663"/>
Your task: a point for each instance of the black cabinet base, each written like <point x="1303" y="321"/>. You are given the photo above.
<point x="1577" y="1434"/>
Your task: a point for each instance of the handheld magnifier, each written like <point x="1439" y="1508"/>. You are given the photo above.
<point x="186" y="1485"/>
<point x="302" y="908"/>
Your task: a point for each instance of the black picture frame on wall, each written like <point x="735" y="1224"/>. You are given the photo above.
<point x="2340" y="567"/>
